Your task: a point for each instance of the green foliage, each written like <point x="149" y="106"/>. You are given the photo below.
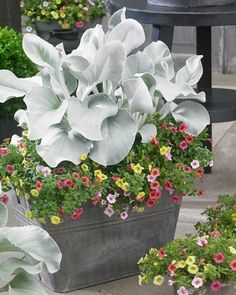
<point x="13" y="58"/>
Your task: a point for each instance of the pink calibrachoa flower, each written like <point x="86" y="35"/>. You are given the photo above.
<point x="168" y="156"/>
<point x="96" y="199"/>
<point x="176" y="199"/>
<point x="77" y="213"/>
<point x="76" y="174"/>
<point x="150" y="203"/>
<point x="182" y="291"/>
<point x="168" y="186"/>
<point x="161" y="253"/>
<point x="215" y="286"/>
<point x="155" y="185"/>
<point x="38" y="185"/>
<point x="61" y="212"/>
<point x="182" y="127"/>
<point x="189" y="139"/>
<point x="124" y="215"/>
<point x="79" y="24"/>
<point x="154" y="141"/>
<point x="155" y="172"/>
<point x="202" y="242"/>
<point x="111" y="198"/>
<point x="173" y="129"/>
<point x="60" y="184"/>
<point x="183" y="145"/>
<point x="115" y="178"/>
<point x="154" y="195"/>
<point x="199" y="172"/>
<point x="215" y="234"/>
<point x="187" y="169"/>
<point x="4" y="152"/>
<point x="4" y="199"/>
<point x="219" y="258"/>
<point x="195" y="164"/>
<point x="68" y="182"/>
<point x="86" y="181"/>
<point x="197" y="282"/>
<point x="10" y="168"/>
<point x="172" y="268"/>
<point x="60" y="170"/>
<point x="109" y="211"/>
<point x="151" y="178"/>
<point x="233" y="265"/>
<point x="46" y="171"/>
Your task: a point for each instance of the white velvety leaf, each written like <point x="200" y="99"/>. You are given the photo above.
<point x="171" y="91"/>
<point x="119" y="134"/>
<point x="70" y="81"/>
<point x="44" y="109"/>
<point x="25" y="284"/>
<point x="90" y="42"/>
<point x="191" y="72"/>
<point x="76" y="64"/>
<point x="87" y="117"/>
<point x="21" y="118"/>
<point x="37" y="243"/>
<point x="57" y="83"/>
<point x="129" y="32"/>
<point x="150" y="82"/>
<point x="41" y="52"/>
<point x="3" y="215"/>
<point x="147" y="131"/>
<point x="160" y="55"/>
<point x="138" y="63"/>
<point x="138" y="96"/>
<point x="11" y="86"/>
<point x="15" y="139"/>
<point x="116" y="18"/>
<point x="13" y="264"/>
<point x="193" y="114"/>
<point x="61" y="145"/>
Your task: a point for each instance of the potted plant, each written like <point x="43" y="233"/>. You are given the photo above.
<point x="16" y="272"/>
<point x="13" y="58"/>
<point x="190" y="3"/>
<point x="103" y="130"/>
<point x="63" y="20"/>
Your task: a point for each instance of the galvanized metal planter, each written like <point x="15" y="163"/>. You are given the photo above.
<point x="227" y="290"/>
<point x="97" y="249"/>
<point x="190" y="3"/>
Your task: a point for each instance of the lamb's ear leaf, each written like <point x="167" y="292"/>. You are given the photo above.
<point x="119" y="134"/>
<point x="44" y="109"/>
<point x="41" y="52"/>
<point x="129" y="32"/>
<point x="193" y="114"/>
<point x="3" y="215"/>
<point x="160" y="55"/>
<point x="11" y="86"/>
<point x="13" y="265"/>
<point x="97" y="108"/>
<point x="138" y="96"/>
<point x="36" y="242"/>
<point x="147" y="131"/>
<point x="116" y="18"/>
<point x="61" y="144"/>
<point x="137" y="64"/>
<point x="21" y="118"/>
<point x="191" y="72"/>
<point x="70" y="81"/>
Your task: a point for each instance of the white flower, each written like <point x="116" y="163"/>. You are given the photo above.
<point x="109" y="211"/>
<point x="45" y="4"/>
<point x="202" y="241"/>
<point x="151" y="178"/>
<point x="195" y="164"/>
<point x="211" y="163"/>
<point x="170" y="282"/>
<point x="182" y="291"/>
<point x="111" y="198"/>
<point x="46" y="171"/>
<point x="124" y="215"/>
<point x="29" y="29"/>
<point x="197" y="282"/>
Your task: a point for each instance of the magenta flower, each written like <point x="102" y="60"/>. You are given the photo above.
<point x="124" y="215"/>
<point x="215" y="286"/>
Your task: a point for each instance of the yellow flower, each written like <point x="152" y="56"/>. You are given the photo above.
<point x="140" y="209"/>
<point x="25" y="163"/>
<point x="125" y="186"/>
<point x="65" y="26"/>
<point x="98" y="173"/>
<point x="42" y="220"/>
<point x="55" y="15"/>
<point x="193" y="269"/>
<point x="38" y="18"/>
<point x="190" y="260"/>
<point x="23" y="152"/>
<point x="6" y="180"/>
<point x="140" y="197"/>
<point x="232" y="250"/>
<point x="21" y="182"/>
<point x="34" y="192"/>
<point x="233" y="216"/>
<point x="103" y="177"/>
<point x="62" y="15"/>
<point x="158" y="280"/>
<point x="27" y="196"/>
<point x="43" y="12"/>
<point x="164" y="149"/>
<point x="84" y="167"/>
<point x="29" y="13"/>
<point x="28" y="214"/>
<point x="181" y="264"/>
<point x="137" y="168"/>
<point x="140" y="280"/>
<point x="83" y="157"/>
<point x="55" y="220"/>
<point x="149" y="167"/>
<point x="25" y="133"/>
<point x="120" y="183"/>
<point x="58" y="1"/>
<point x="80" y="6"/>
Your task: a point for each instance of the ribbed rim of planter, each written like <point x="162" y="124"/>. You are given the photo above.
<point x="66" y="34"/>
<point x="190" y="3"/>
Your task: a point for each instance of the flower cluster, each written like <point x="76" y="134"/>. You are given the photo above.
<point x="195" y="262"/>
<point x="140" y="180"/>
<point x="65" y="12"/>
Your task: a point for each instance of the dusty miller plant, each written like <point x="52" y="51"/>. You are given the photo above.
<point x="95" y="100"/>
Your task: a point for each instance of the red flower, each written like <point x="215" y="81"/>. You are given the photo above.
<point x="77" y="214"/>
<point x="155" y="172"/>
<point x="4" y="152"/>
<point x="189" y="139"/>
<point x="215" y="234"/>
<point x="115" y="178"/>
<point x="4" y="199"/>
<point x="68" y="182"/>
<point x="183" y="145"/>
<point x="85" y="180"/>
<point x="199" y="172"/>
<point x="154" y="195"/>
<point x="168" y="186"/>
<point x="150" y="203"/>
<point x="60" y="184"/>
<point x="61" y="212"/>
<point x="154" y="185"/>
<point x="219" y="258"/>
<point x="10" y="168"/>
<point x="76" y="174"/>
<point x="161" y="253"/>
<point x="163" y="126"/>
<point x="200" y="193"/>
<point x="176" y="199"/>
<point x="215" y="286"/>
<point x="233" y="265"/>
<point x="187" y="169"/>
<point x="79" y="24"/>
<point x="182" y="127"/>
<point x="172" y="267"/>
<point x="154" y="141"/>
<point x="38" y="185"/>
<point x="173" y="129"/>
<point x="60" y="170"/>
<point x="96" y="199"/>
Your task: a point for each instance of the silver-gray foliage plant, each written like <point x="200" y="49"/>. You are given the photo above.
<point x="95" y="100"/>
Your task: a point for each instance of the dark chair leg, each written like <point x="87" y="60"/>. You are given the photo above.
<point x="164" y="34"/>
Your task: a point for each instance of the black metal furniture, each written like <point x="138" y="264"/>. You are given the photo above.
<point x="221" y="103"/>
